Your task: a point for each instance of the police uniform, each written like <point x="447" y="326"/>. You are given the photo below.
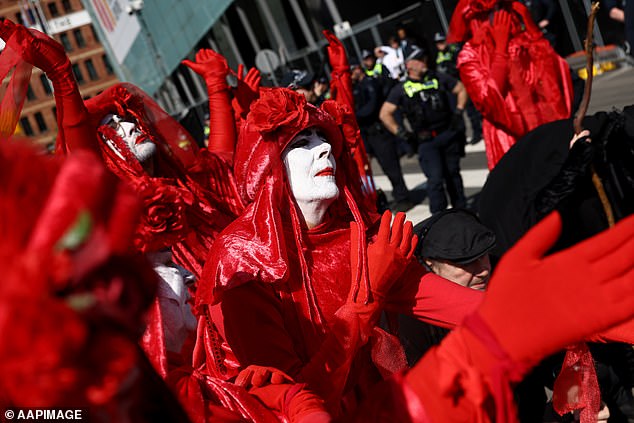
<point x="446" y="60"/>
<point x="367" y="102"/>
<point x="426" y="105"/>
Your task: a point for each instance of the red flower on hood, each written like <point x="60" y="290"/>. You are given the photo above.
<point x="278" y="108"/>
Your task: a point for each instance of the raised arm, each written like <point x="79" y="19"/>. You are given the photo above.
<point x="213" y="68"/>
<point x="74" y="129"/>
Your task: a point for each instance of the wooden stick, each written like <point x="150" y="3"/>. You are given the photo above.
<point x="583" y="109"/>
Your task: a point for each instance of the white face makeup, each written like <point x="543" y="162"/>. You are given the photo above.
<point x="138" y="142"/>
<point x="310" y="167"/>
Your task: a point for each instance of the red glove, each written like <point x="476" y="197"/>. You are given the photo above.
<point x="247" y="91"/>
<point x="336" y="53"/>
<point x="388" y="255"/>
<point x="536" y="305"/>
<point x="341" y="81"/>
<point x="47" y="54"/>
<point x="212" y="67"/>
<point x="501" y="30"/>
<point x="259" y="376"/>
<point x="222" y="131"/>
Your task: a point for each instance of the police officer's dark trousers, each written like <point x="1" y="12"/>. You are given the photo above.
<point x="439" y="158"/>
<point x="383" y="146"/>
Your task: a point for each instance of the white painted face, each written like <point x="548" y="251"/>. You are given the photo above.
<point x="139" y="143"/>
<point x="310" y="167"/>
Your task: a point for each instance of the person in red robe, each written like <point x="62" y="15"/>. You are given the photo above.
<point x="511" y="72"/>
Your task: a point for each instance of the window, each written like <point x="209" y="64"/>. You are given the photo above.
<point x="30" y="95"/>
<point x="26" y="127"/>
<point x="41" y="124"/>
<point x="67" y="6"/>
<point x="63" y="38"/>
<point x="46" y="85"/>
<point x="78" y="75"/>
<point x="92" y="72"/>
<point x="107" y="65"/>
<point x="79" y="38"/>
<point x="52" y="8"/>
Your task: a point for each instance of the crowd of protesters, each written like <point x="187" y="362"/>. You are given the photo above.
<point x="253" y="279"/>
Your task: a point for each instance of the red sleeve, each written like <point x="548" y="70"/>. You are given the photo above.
<point x="222" y="129"/>
<point x="433" y="299"/>
<point x="484" y="91"/>
<point x="255" y="329"/>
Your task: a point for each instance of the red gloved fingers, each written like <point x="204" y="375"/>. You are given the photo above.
<point x="397" y="229"/>
<point x="611" y="252"/>
<point x="253" y="79"/>
<point x="240" y="71"/>
<point x="261" y="377"/>
<point x="409" y="241"/>
<point x="384" y="228"/>
<point x="245" y="377"/>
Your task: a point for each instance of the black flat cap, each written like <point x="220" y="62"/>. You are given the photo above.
<point x="417" y="54"/>
<point x="455" y="235"/>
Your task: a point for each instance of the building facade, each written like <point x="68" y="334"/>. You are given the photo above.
<point x="69" y="23"/>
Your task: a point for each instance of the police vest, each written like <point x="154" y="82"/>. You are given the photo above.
<point x="426" y="103"/>
<point x="444" y="56"/>
<point x="377" y="70"/>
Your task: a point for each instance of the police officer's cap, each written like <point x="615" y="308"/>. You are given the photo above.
<point x="297" y="78"/>
<point x="455" y="235"/>
<point x="439" y="37"/>
<point x="417" y="54"/>
<point x="366" y="53"/>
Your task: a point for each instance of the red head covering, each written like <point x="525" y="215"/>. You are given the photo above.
<point x="254" y="247"/>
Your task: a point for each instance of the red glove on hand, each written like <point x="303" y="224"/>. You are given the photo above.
<point x="501" y="30"/>
<point x="47" y="54"/>
<point x="212" y="67"/>
<point x="336" y="53"/>
<point x="388" y="255"/>
<point x="538" y="304"/>
<point x="259" y="376"/>
<point x="247" y="91"/>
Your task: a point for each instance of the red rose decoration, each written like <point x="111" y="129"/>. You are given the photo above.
<point x="276" y="108"/>
<point x="164" y="221"/>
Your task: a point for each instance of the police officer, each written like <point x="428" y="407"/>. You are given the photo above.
<point x="379" y="143"/>
<point x="373" y="69"/>
<point x="446" y="59"/>
<point x="446" y="56"/>
<point x="438" y="130"/>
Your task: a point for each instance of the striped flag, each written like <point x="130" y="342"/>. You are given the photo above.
<point x="106" y="17"/>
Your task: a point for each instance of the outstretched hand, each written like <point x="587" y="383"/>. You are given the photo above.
<point x="336" y="52"/>
<point x="208" y="63"/>
<point x="247" y="90"/>
<point x="501" y="30"/>
<point x="537" y="303"/>
<point x="36" y="48"/>
<point x="388" y="254"/>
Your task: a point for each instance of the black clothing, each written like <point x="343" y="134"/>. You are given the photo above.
<point x="379" y="143"/>
<point x="427" y="106"/>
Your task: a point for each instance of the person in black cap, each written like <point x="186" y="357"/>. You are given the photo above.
<point x="302" y="81"/>
<point x="436" y="129"/>
<point x="454" y="244"/>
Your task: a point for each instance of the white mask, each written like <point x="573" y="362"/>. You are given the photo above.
<point x="138" y="142"/>
<point x="310" y="167"/>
